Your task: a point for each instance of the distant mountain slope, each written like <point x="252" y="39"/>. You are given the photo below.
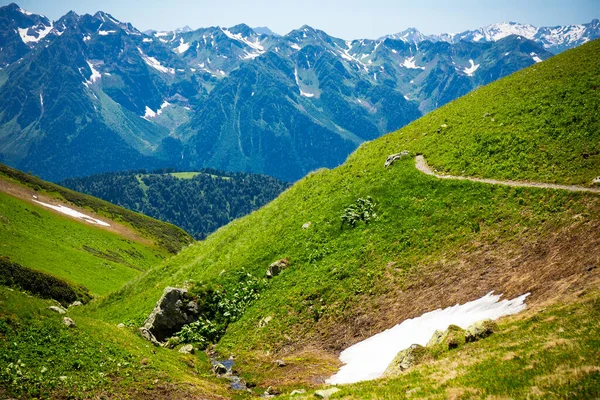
<point x="555" y="39"/>
<point x="199" y="202"/>
<point x="94" y="94"/>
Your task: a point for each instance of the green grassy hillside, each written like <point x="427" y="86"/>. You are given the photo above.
<point x="434" y="242"/>
<point x="165" y="236"/>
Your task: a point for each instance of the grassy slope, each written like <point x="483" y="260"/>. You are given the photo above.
<point x="37" y="349"/>
<point x="166" y="236"/>
<point x="540" y="124"/>
<point x="35" y="237"/>
<point x="339" y="276"/>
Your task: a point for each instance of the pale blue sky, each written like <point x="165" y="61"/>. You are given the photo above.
<point x="345" y="19"/>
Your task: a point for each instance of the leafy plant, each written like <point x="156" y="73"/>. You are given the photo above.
<point x="218" y="307"/>
<point x="362" y="210"/>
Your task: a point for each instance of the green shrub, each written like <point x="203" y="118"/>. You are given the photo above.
<point x="362" y="210"/>
<point x="218" y="307"/>
<point x="41" y="284"/>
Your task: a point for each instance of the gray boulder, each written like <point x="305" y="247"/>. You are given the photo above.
<point x="406" y="359"/>
<point x="172" y="311"/>
<point x="69" y="322"/>
<point x="278" y="266"/>
<point x="219" y="369"/>
<point x="480" y="330"/>
<point x="187" y="349"/>
<point x="57" y="309"/>
<point x="76" y="304"/>
<point x="451" y="338"/>
<point x="394" y="157"/>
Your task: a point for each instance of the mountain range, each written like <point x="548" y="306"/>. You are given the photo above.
<point x="555" y="39"/>
<point x="88" y="94"/>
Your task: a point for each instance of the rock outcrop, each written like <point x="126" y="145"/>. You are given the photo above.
<point x="278" y="266"/>
<point x="57" y="309"/>
<point x="394" y="157"/>
<point x="451" y="338"/>
<point x="480" y="330"/>
<point x="187" y="349"/>
<point x="68" y="322"/>
<point x="173" y="310"/>
<point x="406" y="359"/>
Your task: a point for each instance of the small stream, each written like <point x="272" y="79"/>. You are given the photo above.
<point x="236" y="382"/>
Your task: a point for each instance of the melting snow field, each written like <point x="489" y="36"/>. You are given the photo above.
<point x="73" y="213"/>
<point x="368" y="359"/>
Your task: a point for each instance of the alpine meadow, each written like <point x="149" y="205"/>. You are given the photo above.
<point x="230" y="213"/>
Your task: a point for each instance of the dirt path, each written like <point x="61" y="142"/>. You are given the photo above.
<point x="422" y="166"/>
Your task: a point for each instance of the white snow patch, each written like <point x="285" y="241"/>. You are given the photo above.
<point x="160" y="34"/>
<point x="295" y="46"/>
<point x="106" y="33"/>
<point x="86" y="38"/>
<point x="149" y="113"/>
<point x="394" y="51"/>
<point x="25" y="12"/>
<point x="238" y="36"/>
<point x="409" y="63"/>
<point x="41" y="30"/>
<point x="183" y="47"/>
<point x="536" y="58"/>
<point x="368" y="359"/>
<point x="95" y="75"/>
<point x="147" y="40"/>
<point x="471" y="70"/>
<point x="73" y="213"/>
<point x="154" y="63"/>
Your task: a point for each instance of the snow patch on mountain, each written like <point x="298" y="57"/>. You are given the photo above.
<point x="409" y="62"/>
<point x="25" y="12"/>
<point x="150" y="113"/>
<point x="183" y="47"/>
<point x="73" y="213"/>
<point x="368" y="359"/>
<point x="154" y="63"/>
<point x="238" y="36"/>
<point x="41" y="30"/>
<point x="106" y="33"/>
<point x="536" y="58"/>
<point x="95" y="75"/>
<point x="471" y="70"/>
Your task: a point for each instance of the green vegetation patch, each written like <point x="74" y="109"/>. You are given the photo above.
<point x="41" y="284"/>
<point x="199" y="202"/>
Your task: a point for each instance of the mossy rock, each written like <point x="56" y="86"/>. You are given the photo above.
<point x="480" y="330"/>
<point x="451" y="338"/>
<point x="406" y="359"/>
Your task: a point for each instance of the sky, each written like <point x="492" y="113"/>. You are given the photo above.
<point x="348" y="19"/>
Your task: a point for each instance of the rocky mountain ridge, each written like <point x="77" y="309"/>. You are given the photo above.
<point x="95" y="94"/>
